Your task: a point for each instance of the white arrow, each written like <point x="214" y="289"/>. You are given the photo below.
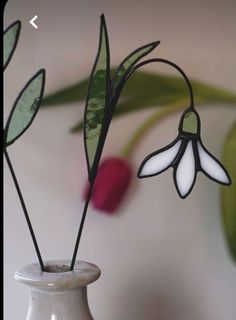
<point x="32" y="22"/>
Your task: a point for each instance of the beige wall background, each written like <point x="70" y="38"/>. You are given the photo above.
<point x="161" y="257"/>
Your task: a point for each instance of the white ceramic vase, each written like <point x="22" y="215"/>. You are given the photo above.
<point x="58" y="294"/>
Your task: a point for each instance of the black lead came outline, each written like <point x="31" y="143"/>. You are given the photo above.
<point x="36" y="107"/>
<point x="113" y="94"/>
<point x="6" y="144"/>
<point x="23" y="205"/>
<point x="92" y="170"/>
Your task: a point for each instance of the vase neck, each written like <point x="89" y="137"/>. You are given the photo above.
<point x="53" y="305"/>
<point x="58" y="295"/>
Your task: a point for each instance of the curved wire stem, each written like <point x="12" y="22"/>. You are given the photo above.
<point x="131" y="71"/>
<point x="112" y="101"/>
<point x="24" y="210"/>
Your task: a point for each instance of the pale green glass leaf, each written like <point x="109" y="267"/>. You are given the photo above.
<point x="131" y="60"/>
<point x="25" y="108"/>
<point x="228" y="194"/>
<point x="10" y="39"/>
<point x="190" y="123"/>
<point x="97" y="98"/>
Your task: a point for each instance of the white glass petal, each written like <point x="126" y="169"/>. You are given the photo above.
<point x="185" y="172"/>
<point x="212" y="168"/>
<point x="160" y="161"/>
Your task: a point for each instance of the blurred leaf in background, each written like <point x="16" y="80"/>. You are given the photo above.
<point x="144" y="90"/>
<point x="228" y="195"/>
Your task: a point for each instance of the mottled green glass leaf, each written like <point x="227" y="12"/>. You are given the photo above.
<point x="97" y="99"/>
<point x="131" y="60"/>
<point x="228" y="195"/>
<point x="25" y="108"/>
<point x="10" y="39"/>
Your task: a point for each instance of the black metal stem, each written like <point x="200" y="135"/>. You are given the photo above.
<point x="24" y="210"/>
<point x="81" y="225"/>
<point x="111" y="104"/>
<point x="175" y="66"/>
<point x="130" y="71"/>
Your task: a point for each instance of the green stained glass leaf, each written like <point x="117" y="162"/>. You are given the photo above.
<point x="10" y="39"/>
<point x="131" y="60"/>
<point x="25" y="108"/>
<point x="97" y="100"/>
<point x="228" y="195"/>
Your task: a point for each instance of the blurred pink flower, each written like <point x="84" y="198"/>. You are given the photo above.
<point x="111" y="183"/>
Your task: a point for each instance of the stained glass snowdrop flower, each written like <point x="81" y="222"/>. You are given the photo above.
<point x="187" y="155"/>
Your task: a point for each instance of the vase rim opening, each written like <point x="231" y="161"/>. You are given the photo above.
<point x="58" y="275"/>
<point x="57" y="268"/>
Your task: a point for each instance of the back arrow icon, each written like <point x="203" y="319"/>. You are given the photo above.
<point x="32" y="22"/>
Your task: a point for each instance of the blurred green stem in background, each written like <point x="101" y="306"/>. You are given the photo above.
<point x="228" y="195"/>
<point x="149" y="123"/>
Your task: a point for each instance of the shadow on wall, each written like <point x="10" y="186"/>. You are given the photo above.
<point x="157" y="301"/>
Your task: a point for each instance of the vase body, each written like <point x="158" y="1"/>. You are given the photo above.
<point x="58" y="294"/>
